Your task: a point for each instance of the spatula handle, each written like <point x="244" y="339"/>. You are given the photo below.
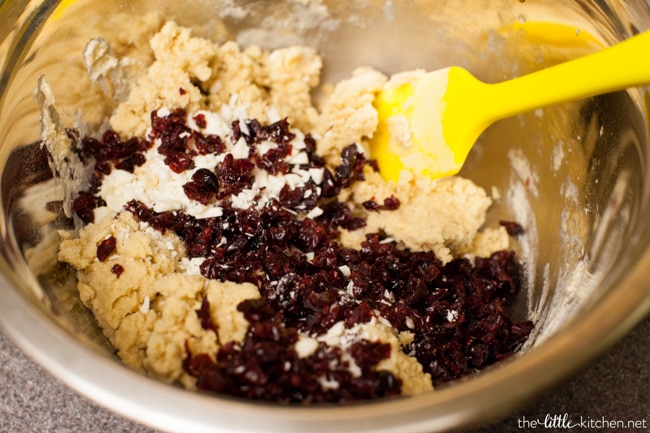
<point x="621" y="66"/>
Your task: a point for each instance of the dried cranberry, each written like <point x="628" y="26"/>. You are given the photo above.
<point x="329" y="186"/>
<point x="513" y="228"/>
<point x="106" y="247"/>
<point x="310" y="142"/>
<point x="367" y="354"/>
<point x="291" y="197"/>
<point x="130" y="162"/>
<point x="84" y="206"/>
<point x="361" y="313"/>
<point x="390" y="203"/>
<point x="111" y="152"/>
<point x="200" y="121"/>
<point x="234" y="175"/>
<point x="273" y="160"/>
<point x="117" y="270"/>
<point x="179" y="162"/>
<point x="175" y="139"/>
<point x="203" y="187"/>
<point x="339" y="214"/>
<point x="351" y="168"/>
<point x="166" y="124"/>
<point x="208" y="144"/>
<point x="205" y="317"/>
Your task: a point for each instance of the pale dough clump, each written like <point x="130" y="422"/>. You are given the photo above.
<point x="348" y="115"/>
<point x="179" y="61"/>
<point x="407" y="368"/>
<point x="186" y="68"/>
<point x="149" y="311"/>
<point x="443" y="216"/>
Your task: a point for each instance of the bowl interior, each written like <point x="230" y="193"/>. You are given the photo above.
<point x="574" y="176"/>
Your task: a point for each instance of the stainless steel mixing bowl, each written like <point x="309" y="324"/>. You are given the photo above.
<point x="577" y="176"/>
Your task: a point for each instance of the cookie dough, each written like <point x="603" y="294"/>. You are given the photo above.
<point x="151" y="296"/>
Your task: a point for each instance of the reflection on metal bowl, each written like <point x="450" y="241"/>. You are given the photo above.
<point x="576" y="176"/>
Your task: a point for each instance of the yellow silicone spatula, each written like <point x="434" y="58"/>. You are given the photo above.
<point x="428" y="124"/>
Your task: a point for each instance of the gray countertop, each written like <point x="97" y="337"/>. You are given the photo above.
<point x="613" y="387"/>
